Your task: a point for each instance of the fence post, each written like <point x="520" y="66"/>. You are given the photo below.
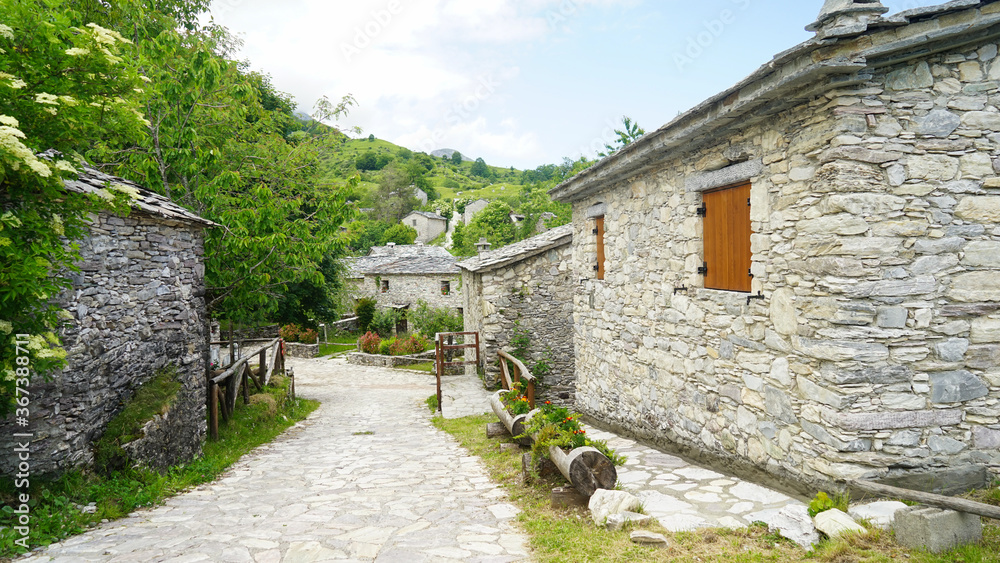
<point x="439" y="357"/>
<point x="213" y="412"/>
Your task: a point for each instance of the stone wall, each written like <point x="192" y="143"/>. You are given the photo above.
<point x="362" y="359"/>
<point x="299" y="350"/>
<point x="138" y="304"/>
<point x="406" y="290"/>
<point x="536" y="292"/>
<point x="876" y="351"/>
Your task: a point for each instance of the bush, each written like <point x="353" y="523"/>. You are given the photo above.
<point x="384" y="322"/>
<point x="412" y="344"/>
<point x="365" y="310"/>
<point x="289" y="333"/>
<point x="308" y="336"/>
<point x="429" y="320"/>
<point x="384" y="346"/>
<point x="369" y="343"/>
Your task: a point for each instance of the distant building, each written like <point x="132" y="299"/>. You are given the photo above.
<point x="473" y="208"/>
<point x="429" y="226"/>
<point x="420" y="194"/>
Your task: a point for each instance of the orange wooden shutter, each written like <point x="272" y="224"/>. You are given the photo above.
<point x="600" y="248"/>
<point x="727" y="239"/>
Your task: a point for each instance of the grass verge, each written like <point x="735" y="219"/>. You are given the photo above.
<point x="56" y="504"/>
<point x="333" y="349"/>
<point x="427" y="367"/>
<point x="569" y="535"/>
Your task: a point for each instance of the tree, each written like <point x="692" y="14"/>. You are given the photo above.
<point x="493" y="222"/>
<point x="629" y="133"/>
<point x="456" y="158"/>
<point x="479" y="168"/>
<point x="371" y="138"/>
<point x="63" y="85"/>
<point x="399" y="234"/>
<point x="394" y="198"/>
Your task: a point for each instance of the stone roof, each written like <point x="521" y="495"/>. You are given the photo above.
<point x="417" y="266"/>
<point x="422" y="258"/>
<point x="842" y="54"/>
<point x="91" y="180"/>
<point x="517" y="252"/>
<point x="427" y="214"/>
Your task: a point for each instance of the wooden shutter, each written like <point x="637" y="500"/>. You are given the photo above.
<point x="600" y="248"/>
<point x="727" y="238"/>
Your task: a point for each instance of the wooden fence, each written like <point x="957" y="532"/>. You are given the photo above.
<point x="513" y="370"/>
<point x="225" y="388"/>
<point x="441" y="350"/>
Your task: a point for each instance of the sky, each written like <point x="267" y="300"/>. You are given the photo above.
<point x="516" y="82"/>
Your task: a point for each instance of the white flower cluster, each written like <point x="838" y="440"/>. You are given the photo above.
<point x="6" y="327"/>
<point x="6" y="31"/>
<point x="131" y="192"/>
<point x="106" y="38"/>
<point x="46" y="98"/>
<point x="13" y="81"/>
<point x="77" y="52"/>
<point x="10" y="143"/>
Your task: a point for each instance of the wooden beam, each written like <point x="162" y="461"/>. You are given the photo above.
<point x="930" y="499"/>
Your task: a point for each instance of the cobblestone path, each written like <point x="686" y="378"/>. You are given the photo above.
<point x="365" y="478"/>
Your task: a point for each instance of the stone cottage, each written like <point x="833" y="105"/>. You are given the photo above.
<point x="802" y="273"/>
<point x="472" y="208"/>
<point x="399" y="276"/>
<point x="528" y="283"/>
<point x="138" y="304"/>
<point x="429" y="226"/>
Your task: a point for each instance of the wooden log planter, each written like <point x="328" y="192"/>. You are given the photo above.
<point x="586" y="468"/>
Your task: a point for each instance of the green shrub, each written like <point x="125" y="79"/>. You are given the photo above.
<point x="822" y="502"/>
<point x="384" y="322"/>
<point x="289" y="333"/>
<point x="384" y="346"/>
<point x="412" y="344"/>
<point x="429" y="320"/>
<point x="365" y="310"/>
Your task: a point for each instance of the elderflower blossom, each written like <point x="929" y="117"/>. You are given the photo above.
<point x="9" y="374"/>
<point x="6" y="327"/>
<point x="145" y="78"/>
<point x="17" y="84"/>
<point x="65" y="166"/>
<point x="77" y="52"/>
<point x="106" y="36"/>
<point x="35" y="342"/>
<point x="9" y="121"/>
<point x="46" y="98"/>
<point x="53" y="111"/>
<point x="6" y="31"/>
<point x="69" y="101"/>
<point x="8" y="218"/>
<point x="127" y="190"/>
<point x="57" y="225"/>
<point x="9" y="143"/>
<point x="104" y="194"/>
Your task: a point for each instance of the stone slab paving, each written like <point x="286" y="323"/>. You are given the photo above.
<point x="365" y="478"/>
<point x="684" y="496"/>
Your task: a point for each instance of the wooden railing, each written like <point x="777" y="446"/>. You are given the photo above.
<point x="225" y="388"/>
<point x="513" y="370"/>
<point x="441" y="350"/>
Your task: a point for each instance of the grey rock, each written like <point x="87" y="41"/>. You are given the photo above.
<point x="949" y="481"/>
<point x="945" y="445"/>
<point x="779" y="404"/>
<point x="618" y="521"/>
<point x="879" y="514"/>
<point x="642" y="537"/>
<point x="956" y="387"/>
<point x="939" y="123"/>
<point x="895" y="420"/>
<point x="604" y="503"/>
<point x="821" y="434"/>
<point x="835" y="523"/>
<point x="939" y="246"/>
<point x="986" y="438"/>
<point x="935" y="529"/>
<point x="793" y="522"/>
<point x="910" y="78"/>
<point x="952" y="350"/>
<point x="892" y="317"/>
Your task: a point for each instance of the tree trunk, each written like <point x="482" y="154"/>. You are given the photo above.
<point x="930" y="499"/>
<point x="586" y="468"/>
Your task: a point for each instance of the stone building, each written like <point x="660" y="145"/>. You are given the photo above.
<point x="528" y="283"/>
<point x="429" y="226"/>
<point x="473" y="208"/>
<point x="138" y="304"/>
<point x="398" y="276"/>
<point x="802" y="273"/>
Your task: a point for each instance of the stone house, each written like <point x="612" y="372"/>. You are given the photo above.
<point x="472" y="208"/>
<point x="138" y="304"/>
<point x="429" y="226"/>
<point x="802" y="273"/>
<point x="398" y="276"/>
<point x="528" y="283"/>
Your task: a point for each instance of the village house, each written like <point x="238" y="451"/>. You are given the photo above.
<point x="525" y="286"/>
<point x="802" y="273"/>
<point x="399" y="276"/>
<point x="472" y="208"/>
<point x="138" y="305"/>
<point x="429" y="226"/>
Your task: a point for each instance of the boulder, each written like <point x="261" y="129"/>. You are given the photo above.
<point x="643" y="537"/>
<point x="835" y="523"/>
<point x="878" y="514"/>
<point x="618" y="521"/>
<point x="793" y="522"/>
<point x="604" y="503"/>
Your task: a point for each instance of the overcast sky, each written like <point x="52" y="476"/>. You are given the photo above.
<point x="517" y="82"/>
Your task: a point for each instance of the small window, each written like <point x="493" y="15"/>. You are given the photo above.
<point x="599" y="232"/>
<point x="446" y="288"/>
<point x="727" y="233"/>
<point x="414" y="222"/>
<point x="385" y="286"/>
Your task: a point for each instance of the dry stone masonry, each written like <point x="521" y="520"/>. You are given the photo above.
<point x="138" y="305"/>
<point x="870" y="346"/>
<point x="528" y="283"/>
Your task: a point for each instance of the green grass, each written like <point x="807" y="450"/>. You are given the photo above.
<point x="333" y="349"/>
<point x="426" y="367"/>
<point x="55" y="516"/>
<point x="569" y="535"/>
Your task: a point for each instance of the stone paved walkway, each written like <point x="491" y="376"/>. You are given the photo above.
<point x="365" y="478"/>
<point x="368" y="478"/>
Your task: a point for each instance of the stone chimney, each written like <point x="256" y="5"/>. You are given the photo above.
<point x="842" y="18"/>
<point x="483" y="246"/>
